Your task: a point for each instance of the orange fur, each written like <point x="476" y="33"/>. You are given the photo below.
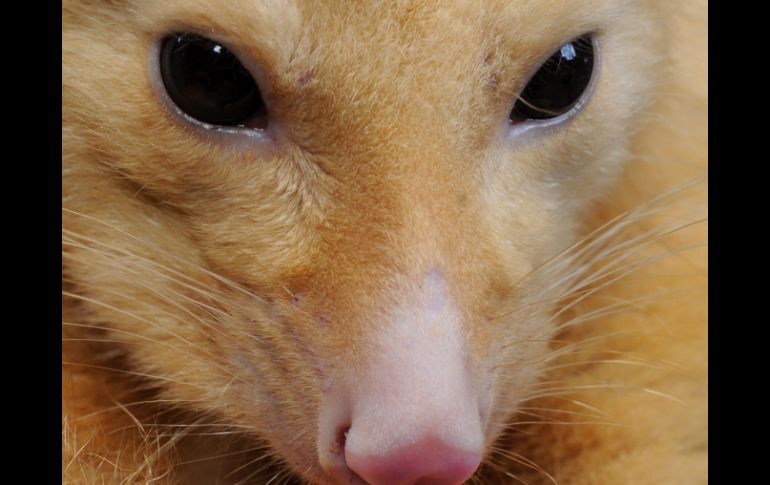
<point x="206" y="279"/>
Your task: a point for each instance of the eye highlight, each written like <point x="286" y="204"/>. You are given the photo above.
<point x="559" y="83"/>
<point x="206" y="81"/>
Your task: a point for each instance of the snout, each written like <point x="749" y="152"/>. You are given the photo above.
<point x="412" y="415"/>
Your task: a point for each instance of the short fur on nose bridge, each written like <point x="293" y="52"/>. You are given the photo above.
<point x="434" y="281"/>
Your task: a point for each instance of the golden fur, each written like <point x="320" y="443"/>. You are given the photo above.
<point x="205" y="277"/>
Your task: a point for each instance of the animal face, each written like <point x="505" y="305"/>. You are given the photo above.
<point x="365" y="279"/>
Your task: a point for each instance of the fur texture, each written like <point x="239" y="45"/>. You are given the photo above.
<point x="214" y="285"/>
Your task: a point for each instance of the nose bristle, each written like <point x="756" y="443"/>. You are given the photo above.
<point x="429" y="461"/>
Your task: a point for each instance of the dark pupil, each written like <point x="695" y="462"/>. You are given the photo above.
<point x="207" y="81"/>
<point x="559" y="82"/>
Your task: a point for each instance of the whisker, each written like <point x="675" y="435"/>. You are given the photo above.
<point x="663" y="395"/>
<point x="137" y="317"/>
<point x="211" y="294"/>
<point x="164" y="343"/>
<point x="160" y="250"/>
<point x="583" y="286"/>
<point x="564" y="423"/>
<point x="248" y="464"/>
<point x="133" y="373"/>
<point x="505" y="472"/>
<point x="614" y="225"/>
<point x="134" y="403"/>
<point x="561" y="411"/>
<point x="195" y="288"/>
<point x="221" y="455"/>
<point x="518" y="458"/>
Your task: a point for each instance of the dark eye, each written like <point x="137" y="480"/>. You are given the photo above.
<point x="208" y="82"/>
<point x="558" y="84"/>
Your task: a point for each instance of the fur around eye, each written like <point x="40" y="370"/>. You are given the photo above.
<point x="208" y="82"/>
<point x="559" y="83"/>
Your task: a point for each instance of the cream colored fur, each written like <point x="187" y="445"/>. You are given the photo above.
<point x="196" y="270"/>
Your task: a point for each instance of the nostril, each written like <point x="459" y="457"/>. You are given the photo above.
<point x="333" y="458"/>
<point x="340" y="438"/>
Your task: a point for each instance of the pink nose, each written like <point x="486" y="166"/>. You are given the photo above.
<point x="426" y="462"/>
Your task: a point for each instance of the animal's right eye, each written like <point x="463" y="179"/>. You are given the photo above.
<point x="209" y="83"/>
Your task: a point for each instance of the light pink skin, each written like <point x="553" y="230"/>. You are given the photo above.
<point x="413" y="415"/>
<point x="427" y="462"/>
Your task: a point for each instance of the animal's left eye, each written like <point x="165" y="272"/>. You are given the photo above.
<point x="559" y="83"/>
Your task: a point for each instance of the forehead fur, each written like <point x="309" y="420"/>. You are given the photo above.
<point x="380" y="103"/>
